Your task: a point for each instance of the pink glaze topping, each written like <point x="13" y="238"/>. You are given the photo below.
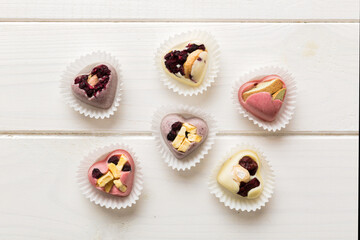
<point x="127" y="177"/>
<point x="260" y="104"/>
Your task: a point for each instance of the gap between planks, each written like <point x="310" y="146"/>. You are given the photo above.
<point x="25" y="134"/>
<point x="154" y="20"/>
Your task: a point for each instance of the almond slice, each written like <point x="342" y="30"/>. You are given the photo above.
<point x="190" y="61"/>
<point x="268" y="86"/>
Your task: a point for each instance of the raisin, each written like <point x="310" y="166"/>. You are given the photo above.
<point x="193" y="47"/>
<point x="174" y="61"/>
<point x="126" y="167"/>
<point x="96" y="173"/>
<point x="176" y="126"/>
<point x="249" y="164"/>
<point x="246" y="187"/>
<point x="82" y="85"/>
<point x="114" y="160"/>
<point x="90" y="92"/>
<point x="171" y="135"/>
<point x="80" y="79"/>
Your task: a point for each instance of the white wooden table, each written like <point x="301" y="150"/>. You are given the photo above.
<point x="42" y="140"/>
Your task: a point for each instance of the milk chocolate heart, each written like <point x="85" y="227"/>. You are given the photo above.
<point x="96" y="85"/>
<point x="263" y="98"/>
<point x="114" y="174"/>
<point x="240" y="174"/>
<point x="183" y="135"/>
<point x="186" y="62"/>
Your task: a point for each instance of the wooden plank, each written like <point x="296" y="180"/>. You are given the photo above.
<point x="315" y="196"/>
<point x="324" y="58"/>
<point x="110" y="10"/>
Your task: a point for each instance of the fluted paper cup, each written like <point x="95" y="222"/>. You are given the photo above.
<point x="213" y="62"/>
<point x="193" y="158"/>
<point x="234" y="201"/>
<point x="288" y="107"/>
<point x="99" y="197"/>
<point x="74" y="68"/>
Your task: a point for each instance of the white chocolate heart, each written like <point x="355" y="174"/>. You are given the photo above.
<point x="231" y="174"/>
<point x="194" y="68"/>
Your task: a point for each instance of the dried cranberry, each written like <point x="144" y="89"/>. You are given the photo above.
<point x="82" y="85"/>
<point x="171" y="135"/>
<point x="193" y="47"/>
<point x="80" y="78"/>
<point x="167" y="56"/>
<point x="102" y="72"/>
<point x="249" y="164"/>
<point x="246" y="187"/>
<point x="175" y="60"/>
<point x="96" y="173"/>
<point x="114" y="160"/>
<point x="176" y="126"/>
<point x="126" y="167"/>
<point x="90" y="92"/>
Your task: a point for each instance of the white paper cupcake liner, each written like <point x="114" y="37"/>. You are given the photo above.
<point x="101" y="198"/>
<point x="234" y="201"/>
<point x="74" y="68"/>
<point x="213" y="62"/>
<point x="288" y="107"/>
<point x="192" y="159"/>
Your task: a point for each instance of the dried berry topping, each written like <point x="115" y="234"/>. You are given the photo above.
<point x="101" y="71"/>
<point x="96" y="173"/>
<point x="171" y="135"/>
<point x="175" y="60"/>
<point x="176" y="126"/>
<point x="126" y="167"/>
<point x="114" y="160"/>
<point x="246" y="187"/>
<point x="103" y="74"/>
<point x="193" y="47"/>
<point x="249" y="164"/>
<point x="80" y="79"/>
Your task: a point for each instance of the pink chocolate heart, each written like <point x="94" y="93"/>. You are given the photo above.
<point x="261" y="104"/>
<point x="99" y="91"/>
<point x="127" y="173"/>
<point x="169" y="120"/>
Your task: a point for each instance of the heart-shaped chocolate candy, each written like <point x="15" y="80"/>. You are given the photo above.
<point x="183" y="135"/>
<point x="263" y="98"/>
<point x="240" y="174"/>
<point x="186" y="62"/>
<point x="114" y="174"/>
<point x="96" y="85"/>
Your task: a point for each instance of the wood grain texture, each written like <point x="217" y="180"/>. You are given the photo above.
<point x="324" y="59"/>
<point x="315" y="195"/>
<point x="42" y="140"/>
<point x="128" y="10"/>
